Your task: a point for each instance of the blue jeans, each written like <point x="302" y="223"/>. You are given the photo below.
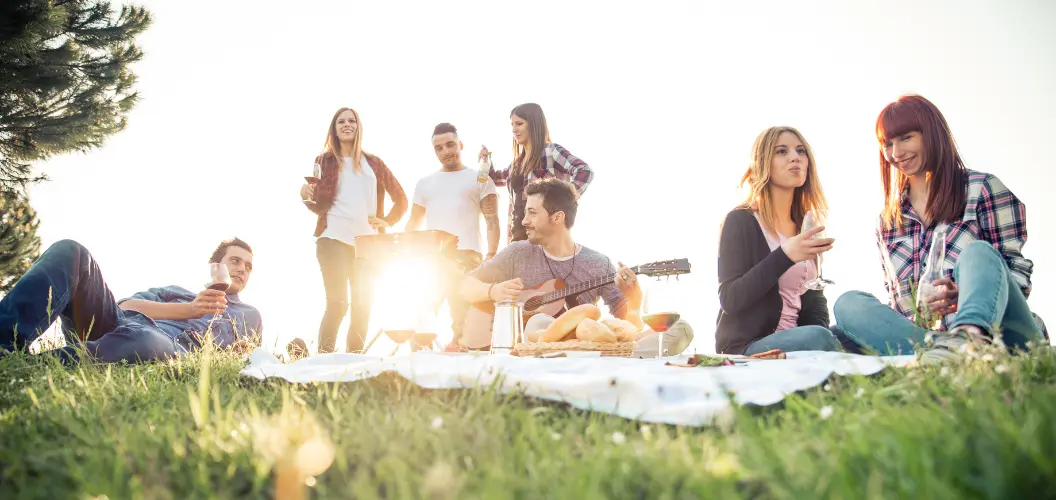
<point x="800" y="338"/>
<point x="66" y="284"/>
<point x="988" y="298"/>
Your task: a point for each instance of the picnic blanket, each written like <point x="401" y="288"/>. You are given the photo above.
<point x="641" y="389"/>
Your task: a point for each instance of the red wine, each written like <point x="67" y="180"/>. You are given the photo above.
<point x="219" y="286"/>
<point x="311" y="180"/>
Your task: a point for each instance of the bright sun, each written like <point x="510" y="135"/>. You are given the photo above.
<point x="405" y="291"/>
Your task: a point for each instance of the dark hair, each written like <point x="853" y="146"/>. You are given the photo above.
<point x="221" y="250"/>
<point x="527" y="158"/>
<point x="445" y="128"/>
<point x="942" y="162"/>
<point x="558" y="196"/>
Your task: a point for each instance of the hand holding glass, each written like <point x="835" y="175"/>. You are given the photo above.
<point x="810" y="221"/>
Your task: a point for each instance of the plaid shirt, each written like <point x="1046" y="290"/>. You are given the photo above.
<point x="992" y="214"/>
<point x="558" y="163"/>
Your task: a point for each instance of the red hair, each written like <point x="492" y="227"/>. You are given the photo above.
<point x="947" y="176"/>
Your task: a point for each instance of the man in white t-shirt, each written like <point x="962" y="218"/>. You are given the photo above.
<point x="453" y="200"/>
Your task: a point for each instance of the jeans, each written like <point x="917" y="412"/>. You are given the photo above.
<point x="800" y="338"/>
<point x="343" y="273"/>
<point x="66" y="284"/>
<point x="449" y="284"/>
<point x="988" y="298"/>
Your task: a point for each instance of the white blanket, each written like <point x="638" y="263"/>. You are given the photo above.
<point x="642" y="389"/>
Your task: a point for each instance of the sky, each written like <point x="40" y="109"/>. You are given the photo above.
<point x="663" y="99"/>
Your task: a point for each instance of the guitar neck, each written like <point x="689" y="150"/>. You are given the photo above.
<point x="578" y="288"/>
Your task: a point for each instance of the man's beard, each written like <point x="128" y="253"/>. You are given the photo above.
<point x="535" y="237"/>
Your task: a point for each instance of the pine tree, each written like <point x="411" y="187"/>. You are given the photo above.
<point x="19" y="243"/>
<point x="65" y="82"/>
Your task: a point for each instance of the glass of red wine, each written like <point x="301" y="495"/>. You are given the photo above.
<point x="219" y="277"/>
<point x="314" y="178"/>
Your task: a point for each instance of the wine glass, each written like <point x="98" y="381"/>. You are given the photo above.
<point x="219" y="277"/>
<point x="810" y="221"/>
<point x="423" y="341"/>
<point x="314" y="178"/>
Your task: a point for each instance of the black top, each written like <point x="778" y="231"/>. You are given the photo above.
<point x="749" y="299"/>
<point x="517" y="187"/>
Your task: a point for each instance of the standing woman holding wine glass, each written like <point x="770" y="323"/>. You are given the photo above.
<point x="349" y="199"/>
<point x="534" y="157"/>
<point x="766" y="261"/>
<point x="981" y="278"/>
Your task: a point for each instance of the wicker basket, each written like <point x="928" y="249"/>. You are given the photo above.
<point x="615" y="349"/>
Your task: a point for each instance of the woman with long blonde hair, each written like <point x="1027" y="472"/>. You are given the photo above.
<point x="349" y="199"/>
<point x="765" y="261"/>
<point x="535" y="156"/>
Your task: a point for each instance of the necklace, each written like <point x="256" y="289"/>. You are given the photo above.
<point x="552" y="273"/>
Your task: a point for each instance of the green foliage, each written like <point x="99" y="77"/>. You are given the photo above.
<point x="19" y="243"/>
<point x="65" y="78"/>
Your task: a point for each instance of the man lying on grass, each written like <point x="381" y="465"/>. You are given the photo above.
<point x="159" y="323"/>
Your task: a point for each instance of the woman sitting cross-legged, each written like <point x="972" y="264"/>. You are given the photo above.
<point x="764" y="259"/>
<point x="985" y="279"/>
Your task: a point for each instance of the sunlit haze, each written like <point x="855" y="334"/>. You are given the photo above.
<point x="662" y="99"/>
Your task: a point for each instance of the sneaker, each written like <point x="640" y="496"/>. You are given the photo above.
<point x="952" y="346"/>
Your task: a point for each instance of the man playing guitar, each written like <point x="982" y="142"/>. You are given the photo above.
<point x="452" y="200"/>
<point x="550" y="253"/>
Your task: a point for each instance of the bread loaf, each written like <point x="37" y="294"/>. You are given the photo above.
<point x="535" y="336"/>
<point x="567" y="323"/>
<point x="592" y="331"/>
<point x="624" y="330"/>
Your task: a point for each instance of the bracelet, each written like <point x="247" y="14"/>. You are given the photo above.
<point x="489" y="291"/>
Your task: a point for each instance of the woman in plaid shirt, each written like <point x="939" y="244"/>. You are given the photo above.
<point x="535" y="157"/>
<point x="986" y="278"/>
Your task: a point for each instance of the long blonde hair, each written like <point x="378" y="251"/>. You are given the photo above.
<point x="757" y="178"/>
<point x="528" y="157"/>
<point x="333" y="144"/>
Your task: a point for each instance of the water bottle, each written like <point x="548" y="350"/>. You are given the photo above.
<point x="933" y="270"/>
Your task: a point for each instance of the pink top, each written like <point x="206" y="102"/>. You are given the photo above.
<point x="792" y="284"/>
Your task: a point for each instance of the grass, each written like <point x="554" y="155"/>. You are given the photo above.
<point x="982" y="430"/>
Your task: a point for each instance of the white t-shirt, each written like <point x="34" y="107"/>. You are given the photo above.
<point x="452" y="203"/>
<point x="355" y="200"/>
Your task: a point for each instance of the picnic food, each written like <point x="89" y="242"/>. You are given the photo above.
<point x="593" y="331"/>
<point x="771" y="354"/>
<point x="567" y="323"/>
<point x="534" y="336"/>
<point x="702" y="360"/>
<point x="625" y="330"/>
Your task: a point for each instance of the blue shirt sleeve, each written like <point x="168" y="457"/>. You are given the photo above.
<point x="162" y="294"/>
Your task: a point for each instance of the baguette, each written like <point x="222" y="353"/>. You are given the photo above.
<point x="593" y="331"/>
<point x="567" y="323"/>
<point x="535" y="336"/>
<point x="624" y="330"/>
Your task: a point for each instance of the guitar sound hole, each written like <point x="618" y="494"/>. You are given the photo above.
<point x="531" y="304"/>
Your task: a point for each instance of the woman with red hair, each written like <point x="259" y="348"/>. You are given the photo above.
<point x="980" y="292"/>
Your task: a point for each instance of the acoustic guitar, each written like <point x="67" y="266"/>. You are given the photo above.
<point x="548" y="298"/>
